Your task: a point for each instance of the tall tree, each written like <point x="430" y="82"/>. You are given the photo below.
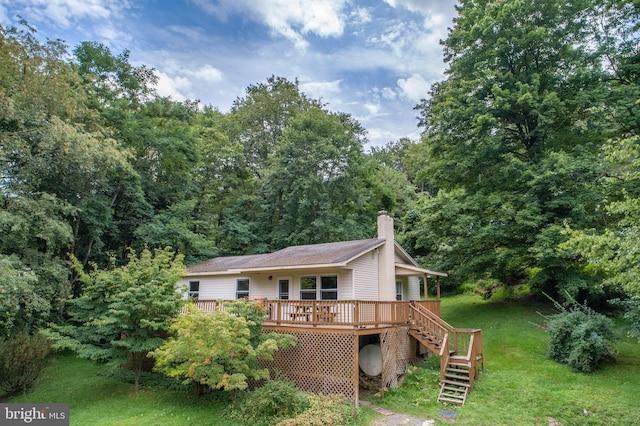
<point x="262" y="116"/>
<point x="59" y="172"/>
<point x="315" y="190"/>
<point x="512" y="136"/>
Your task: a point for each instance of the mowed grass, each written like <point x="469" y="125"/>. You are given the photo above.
<point x="98" y="400"/>
<point x="520" y="385"/>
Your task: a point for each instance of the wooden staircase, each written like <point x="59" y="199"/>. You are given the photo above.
<point x="457" y="382"/>
<point x="460" y="352"/>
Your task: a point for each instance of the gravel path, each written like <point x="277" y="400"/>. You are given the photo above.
<point x="394" y="419"/>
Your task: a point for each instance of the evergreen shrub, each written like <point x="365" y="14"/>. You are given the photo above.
<point x="22" y="358"/>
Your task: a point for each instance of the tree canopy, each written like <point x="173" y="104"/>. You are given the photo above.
<point x="524" y="177"/>
<point x="512" y="139"/>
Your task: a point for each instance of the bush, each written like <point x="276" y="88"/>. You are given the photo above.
<point x="277" y="399"/>
<point x="580" y="337"/>
<point x="22" y="358"/>
<point x="325" y="410"/>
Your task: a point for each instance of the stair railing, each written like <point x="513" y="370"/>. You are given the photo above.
<point x="444" y="356"/>
<point x="434" y="325"/>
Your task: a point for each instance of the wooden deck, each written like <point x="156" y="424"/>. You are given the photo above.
<point x="333" y="313"/>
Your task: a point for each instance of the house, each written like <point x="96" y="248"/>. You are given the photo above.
<point x="355" y="308"/>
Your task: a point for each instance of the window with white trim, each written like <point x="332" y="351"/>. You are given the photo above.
<point x="242" y="288"/>
<point x="308" y="287"/>
<point x="329" y="288"/>
<point x="194" y="289"/>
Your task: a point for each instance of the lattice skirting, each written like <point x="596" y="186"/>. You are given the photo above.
<point x="398" y="351"/>
<point x="325" y="361"/>
<point x="321" y="362"/>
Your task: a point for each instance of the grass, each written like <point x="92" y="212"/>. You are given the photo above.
<point x="96" y="399"/>
<point x="520" y="385"/>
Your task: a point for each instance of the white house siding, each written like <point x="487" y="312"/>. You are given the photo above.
<point x="413" y="290"/>
<point x="345" y="285"/>
<point x="260" y="287"/>
<point x="365" y="276"/>
<point x="214" y="287"/>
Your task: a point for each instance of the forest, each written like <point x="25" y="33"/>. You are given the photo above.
<point x="526" y="179"/>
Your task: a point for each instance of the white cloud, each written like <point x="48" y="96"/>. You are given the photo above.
<point x="206" y="73"/>
<point x="65" y="13"/>
<point x="320" y="89"/>
<point x="186" y="83"/>
<point x="291" y="19"/>
<point x="414" y="88"/>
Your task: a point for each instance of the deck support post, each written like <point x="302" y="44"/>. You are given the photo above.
<point x="426" y="288"/>
<point x="356" y="368"/>
<point x="438" y="286"/>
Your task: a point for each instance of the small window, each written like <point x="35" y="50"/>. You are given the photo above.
<point x="242" y="288"/>
<point x="308" y="287"/>
<point x="283" y="289"/>
<point x="398" y="290"/>
<point x="329" y="288"/>
<point x="194" y="289"/>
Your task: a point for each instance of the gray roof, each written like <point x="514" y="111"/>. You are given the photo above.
<point x="295" y="256"/>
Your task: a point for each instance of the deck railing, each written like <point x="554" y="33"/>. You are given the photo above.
<point x="351" y="313"/>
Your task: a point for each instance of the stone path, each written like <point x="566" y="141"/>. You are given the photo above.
<point x="394" y="419"/>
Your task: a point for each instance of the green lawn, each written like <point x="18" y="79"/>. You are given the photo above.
<point x="98" y="400"/>
<point x="519" y="386"/>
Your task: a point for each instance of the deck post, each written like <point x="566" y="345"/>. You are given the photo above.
<point x="356" y="368"/>
<point x="426" y="288"/>
<point x="438" y="286"/>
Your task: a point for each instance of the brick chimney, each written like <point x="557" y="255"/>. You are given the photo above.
<point x="386" y="259"/>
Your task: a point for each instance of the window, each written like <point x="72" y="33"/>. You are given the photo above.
<point x="242" y="288"/>
<point x="308" y="288"/>
<point x="329" y="288"/>
<point x="283" y="289"/>
<point x="398" y="290"/>
<point x="194" y="289"/>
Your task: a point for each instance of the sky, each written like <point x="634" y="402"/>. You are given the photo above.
<point x="372" y="59"/>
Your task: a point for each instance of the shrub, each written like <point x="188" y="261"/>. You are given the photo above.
<point x="324" y="410"/>
<point x="580" y="337"/>
<point x="22" y="358"/>
<point x="277" y="399"/>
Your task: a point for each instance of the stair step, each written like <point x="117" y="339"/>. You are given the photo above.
<point x="452" y="389"/>
<point x="452" y="401"/>
<point x="464" y="373"/>
<point x="454" y="383"/>
<point x="456" y="377"/>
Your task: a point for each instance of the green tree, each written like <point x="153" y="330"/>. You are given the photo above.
<point x="612" y="254"/>
<point x="219" y="349"/>
<point x="123" y="312"/>
<point x="511" y="138"/>
<point x="315" y="188"/>
<point x="262" y="116"/>
<point x="113" y="79"/>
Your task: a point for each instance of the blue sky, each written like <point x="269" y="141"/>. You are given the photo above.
<point x="372" y="59"/>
